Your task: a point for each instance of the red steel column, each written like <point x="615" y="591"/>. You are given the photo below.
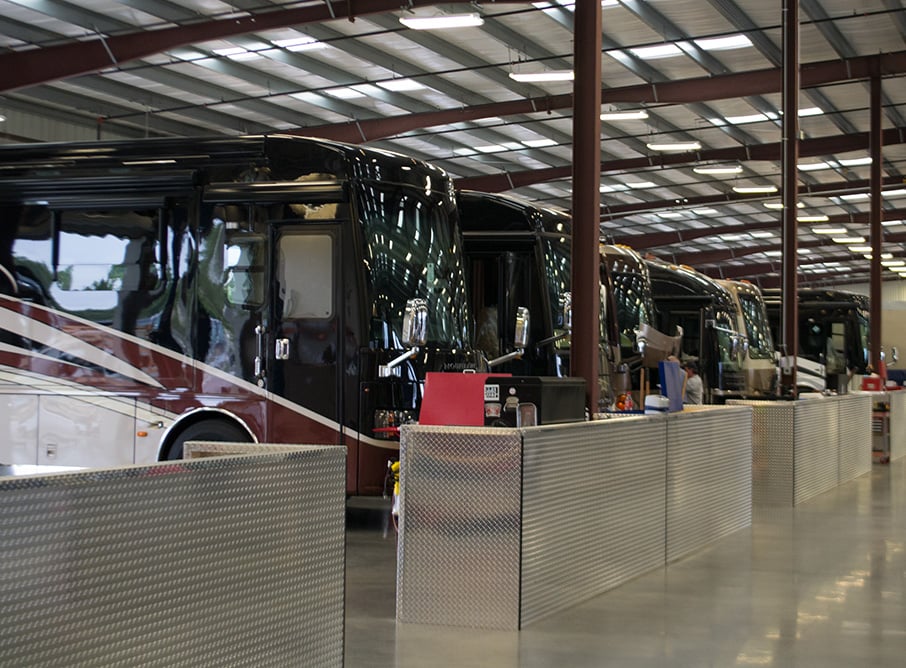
<point x="875" y="219"/>
<point x="790" y="149"/>
<point x="586" y="197"/>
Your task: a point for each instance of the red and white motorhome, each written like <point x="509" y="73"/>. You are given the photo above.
<point x="253" y="289"/>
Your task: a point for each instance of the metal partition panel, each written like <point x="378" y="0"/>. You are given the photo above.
<point x="897" y="424"/>
<point x="772" y="451"/>
<point x="221" y="561"/>
<point x="458" y="549"/>
<point x="709" y="477"/>
<point x="816" y="440"/>
<point x="854" y="420"/>
<point x="593" y="509"/>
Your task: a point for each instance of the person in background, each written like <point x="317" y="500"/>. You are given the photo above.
<point x="692" y="387"/>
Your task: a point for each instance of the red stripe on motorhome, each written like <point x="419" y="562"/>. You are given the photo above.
<point x="172" y="370"/>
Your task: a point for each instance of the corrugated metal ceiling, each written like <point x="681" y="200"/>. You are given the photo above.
<point x="306" y="77"/>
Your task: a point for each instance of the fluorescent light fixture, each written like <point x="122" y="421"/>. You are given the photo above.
<point x="812" y="166"/>
<point x="891" y="223"/>
<point x="671" y="214"/>
<point x="718" y="169"/>
<point x="859" y="249"/>
<point x="754" y="190"/>
<point x="855" y="162"/>
<point x="704" y="212"/>
<point x="779" y="205"/>
<point x="899" y="192"/>
<point x="538" y="77"/>
<point x="2" y="118"/>
<point x="442" y="22"/>
<point x="655" y="52"/>
<point x="733" y="237"/>
<point x="856" y="196"/>
<point x="761" y="234"/>
<point x="812" y="219"/>
<point x="634" y="115"/>
<point x="773" y="253"/>
<point x="811" y="111"/>
<point x="612" y="188"/>
<point x="893" y="263"/>
<point x="804" y="251"/>
<point x="849" y="240"/>
<point x="829" y="230"/>
<point x="676" y="146"/>
<point x="400" y="85"/>
<point x="641" y="184"/>
<point x="723" y="43"/>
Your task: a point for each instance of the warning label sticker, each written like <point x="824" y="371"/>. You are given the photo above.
<point x="492" y="392"/>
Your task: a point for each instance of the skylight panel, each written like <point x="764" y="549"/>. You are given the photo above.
<point x="724" y="43"/>
<point x="657" y="51"/>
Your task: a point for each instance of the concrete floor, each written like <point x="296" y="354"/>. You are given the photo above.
<point x="821" y="585"/>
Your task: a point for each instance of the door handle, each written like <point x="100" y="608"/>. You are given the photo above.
<point x="282" y="349"/>
<point x="260" y="331"/>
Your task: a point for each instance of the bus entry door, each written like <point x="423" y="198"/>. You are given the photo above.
<point x="306" y="357"/>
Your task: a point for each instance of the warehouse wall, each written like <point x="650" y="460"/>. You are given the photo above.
<point x="27" y="126"/>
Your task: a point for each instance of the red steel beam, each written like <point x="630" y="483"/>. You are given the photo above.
<point x="20" y="69"/>
<point x="642" y="242"/>
<point x="769" y="152"/>
<point x="700" y="89"/>
<point x="618" y="211"/>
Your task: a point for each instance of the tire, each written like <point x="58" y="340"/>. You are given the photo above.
<point x="207" y="430"/>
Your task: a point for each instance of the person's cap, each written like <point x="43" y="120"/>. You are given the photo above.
<point x="690" y="364"/>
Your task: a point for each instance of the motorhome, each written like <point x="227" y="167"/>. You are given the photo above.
<point x="834" y="335"/>
<point x="272" y="289"/>
<point x="709" y="318"/>
<point x="760" y="359"/>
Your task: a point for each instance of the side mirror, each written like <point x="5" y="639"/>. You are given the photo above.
<point x="523" y="321"/>
<point x="415" y="322"/>
<point x="566" y="304"/>
<point x="415" y="333"/>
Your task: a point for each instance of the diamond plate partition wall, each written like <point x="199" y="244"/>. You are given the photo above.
<point x="854" y="420"/>
<point x="816" y="444"/>
<point x="458" y="545"/>
<point x="501" y="527"/>
<point x="226" y="561"/>
<point x="897" y="424"/>
<point x="803" y="448"/>
<point x="709" y="477"/>
<point x="593" y="510"/>
<point x="772" y="451"/>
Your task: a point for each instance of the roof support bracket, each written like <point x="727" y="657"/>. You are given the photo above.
<point x="106" y="46"/>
